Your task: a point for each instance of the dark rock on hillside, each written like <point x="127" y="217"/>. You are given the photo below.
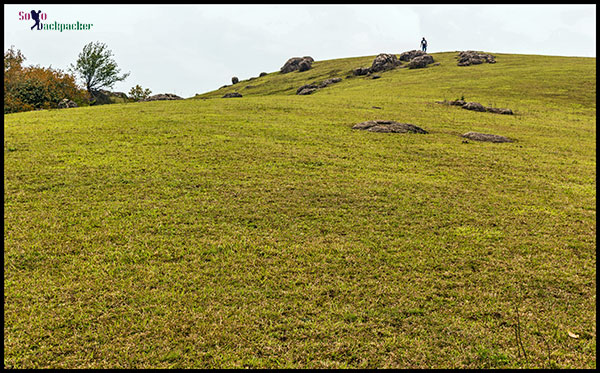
<point x="361" y="71"/>
<point x="235" y="80"/>
<point x="262" y="74"/>
<point x="307" y="89"/>
<point x="100" y="97"/>
<point x="467" y="58"/>
<point x="452" y="102"/>
<point x="420" y="62"/>
<point x="486" y="137"/>
<point x="330" y="81"/>
<point x="388" y="126"/>
<point x="475" y="106"/>
<point x="162" y="96"/>
<point x="499" y="111"/>
<point x="231" y="95"/>
<point x="407" y="56"/>
<point x="384" y="62"/>
<point x="304" y="65"/>
<point x="297" y="63"/>
<point x="65" y="103"/>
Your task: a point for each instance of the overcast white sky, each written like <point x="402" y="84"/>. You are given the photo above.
<point x="189" y="49"/>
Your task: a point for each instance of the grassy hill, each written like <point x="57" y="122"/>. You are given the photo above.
<point x="263" y="231"/>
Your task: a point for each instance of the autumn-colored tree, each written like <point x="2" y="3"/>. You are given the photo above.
<point x="35" y="87"/>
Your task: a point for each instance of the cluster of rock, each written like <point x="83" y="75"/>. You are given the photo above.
<point x="416" y="59"/>
<point x="388" y="126"/>
<point x="385" y="61"/>
<point x="486" y="137"/>
<point x="476" y="106"/>
<point x="297" y="63"/>
<point x="162" y="96"/>
<point x="307" y="89"/>
<point x="65" y="103"/>
<point x="467" y="58"/>
<point x="232" y="95"/>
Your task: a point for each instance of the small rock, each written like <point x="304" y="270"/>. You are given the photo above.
<point x="361" y="71"/>
<point x="475" y="106"/>
<point x="306" y="91"/>
<point x="235" y="80"/>
<point x="65" y="103"/>
<point x="486" y="137"/>
<point x="388" y="126"/>
<point x="305" y="87"/>
<point x="231" y="95"/>
<point x="499" y="111"/>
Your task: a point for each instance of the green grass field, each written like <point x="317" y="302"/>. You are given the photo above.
<point x="264" y="232"/>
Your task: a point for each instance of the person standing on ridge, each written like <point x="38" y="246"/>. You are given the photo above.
<point x="424" y="44"/>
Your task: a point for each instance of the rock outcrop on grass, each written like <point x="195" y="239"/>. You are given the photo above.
<point x="297" y="63"/>
<point x="476" y="106"/>
<point x="307" y="89"/>
<point x="232" y="95"/>
<point x="407" y="56"/>
<point x="388" y="126"/>
<point x="416" y="59"/>
<point x="420" y="62"/>
<point x="359" y="71"/>
<point x="486" y="137"/>
<point x="162" y="96"/>
<point x="467" y="58"/>
<point x="235" y="80"/>
<point x="384" y="62"/>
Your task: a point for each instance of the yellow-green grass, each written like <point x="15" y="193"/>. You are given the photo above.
<point x="263" y="231"/>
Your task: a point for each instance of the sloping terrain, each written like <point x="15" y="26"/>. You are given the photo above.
<point x="263" y="231"/>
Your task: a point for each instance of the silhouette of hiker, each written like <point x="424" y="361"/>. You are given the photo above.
<point x="36" y="17"/>
<point x="424" y="45"/>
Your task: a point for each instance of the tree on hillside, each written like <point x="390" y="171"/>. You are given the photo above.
<point x="137" y="93"/>
<point x="96" y="68"/>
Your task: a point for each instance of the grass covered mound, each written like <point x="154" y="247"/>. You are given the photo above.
<point x="264" y="232"/>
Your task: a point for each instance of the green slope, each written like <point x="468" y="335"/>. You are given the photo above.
<point x="263" y="231"/>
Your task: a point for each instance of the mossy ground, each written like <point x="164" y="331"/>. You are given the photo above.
<point x="263" y="232"/>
